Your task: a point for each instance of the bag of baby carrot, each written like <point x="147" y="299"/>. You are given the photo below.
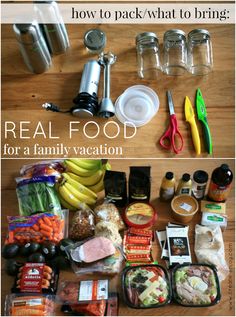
<point x="37" y="228"/>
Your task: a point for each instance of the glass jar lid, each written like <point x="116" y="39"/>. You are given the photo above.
<point x="174" y="32"/>
<point x="145" y="36"/>
<point x="199" y="32"/>
<point x="95" y="39"/>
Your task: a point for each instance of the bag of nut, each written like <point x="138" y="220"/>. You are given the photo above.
<point x="82" y="225"/>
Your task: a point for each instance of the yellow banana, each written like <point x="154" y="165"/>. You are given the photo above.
<point x="89" y="180"/>
<point x="65" y="204"/>
<point x="99" y="186"/>
<point x="70" y="198"/>
<point x="87" y="164"/>
<point x="72" y="179"/>
<point x="72" y="167"/>
<point x="86" y="199"/>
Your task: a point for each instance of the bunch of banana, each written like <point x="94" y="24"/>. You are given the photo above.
<point x="81" y="182"/>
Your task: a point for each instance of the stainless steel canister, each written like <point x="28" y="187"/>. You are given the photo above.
<point x="33" y="47"/>
<point x="53" y="26"/>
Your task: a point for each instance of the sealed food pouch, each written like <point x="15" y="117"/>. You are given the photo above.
<point x="82" y="226"/>
<point x="29" y="305"/>
<point x="209" y="248"/>
<point x="38" y="194"/>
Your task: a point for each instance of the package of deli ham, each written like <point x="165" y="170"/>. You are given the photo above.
<point x="97" y="254"/>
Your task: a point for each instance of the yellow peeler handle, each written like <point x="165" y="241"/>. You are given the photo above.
<point x="195" y="136"/>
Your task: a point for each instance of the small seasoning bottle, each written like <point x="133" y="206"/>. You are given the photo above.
<point x="95" y="41"/>
<point x="220" y="185"/>
<point x="185" y="185"/>
<point x="167" y="189"/>
<point x="200" y="179"/>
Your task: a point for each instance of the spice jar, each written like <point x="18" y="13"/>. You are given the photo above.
<point x="200" y="179"/>
<point x="148" y="55"/>
<point x="200" y="57"/>
<point x="175" y="52"/>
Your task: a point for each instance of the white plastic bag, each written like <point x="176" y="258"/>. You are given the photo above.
<point x="209" y="248"/>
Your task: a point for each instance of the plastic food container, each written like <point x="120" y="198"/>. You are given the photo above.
<point x="29" y="305"/>
<point x="184" y="208"/>
<point x="137" y="105"/>
<point x="146" y="286"/>
<point x="140" y="215"/>
<point x="195" y="285"/>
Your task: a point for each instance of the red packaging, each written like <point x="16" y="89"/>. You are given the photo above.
<point x="138" y="249"/>
<point x="143" y="258"/>
<point x="140" y="232"/>
<point x="138" y="240"/>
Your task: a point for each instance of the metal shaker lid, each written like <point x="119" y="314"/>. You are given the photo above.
<point x="95" y="39"/>
<point x="27" y="33"/>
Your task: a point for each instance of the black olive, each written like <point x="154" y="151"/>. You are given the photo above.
<point x="12" y="267"/>
<point x="10" y="250"/>
<point x="49" y="250"/>
<point x="36" y="258"/>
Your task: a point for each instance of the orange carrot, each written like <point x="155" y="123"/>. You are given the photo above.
<point x="45" y="228"/>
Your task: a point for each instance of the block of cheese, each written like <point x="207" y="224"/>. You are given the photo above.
<point x="209" y="219"/>
<point x="213" y="207"/>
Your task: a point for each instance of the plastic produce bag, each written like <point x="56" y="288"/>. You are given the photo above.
<point x="37" y="194"/>
<point x="37" y="228"/>
<point x="29" y="305"/>
<point x="82" y="226"/>
<point x="108" y="212"/>
<point x="209" y="248"/>
<point x="43" y="168"/>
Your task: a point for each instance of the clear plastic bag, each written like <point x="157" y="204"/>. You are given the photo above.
<point x="82" y="226"/>
<point x="29" y="305"/>
<point x="108" y="212"/>
<point x="108" y="230"/>
<point x="38" y="194"/>
<point x="209" y="248"/>
<point x="107" y="265"/>
<point x="43" y="168"/>
<point x="37" y="228"/>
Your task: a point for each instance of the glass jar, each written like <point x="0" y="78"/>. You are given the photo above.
<point x="148" y="55"/>
<point x="95" y="41"/>
<point x="200" y="57"/>
<point x="200" y="179"/>
<point x="175" y="52"/>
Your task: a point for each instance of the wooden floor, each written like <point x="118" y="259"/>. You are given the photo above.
<point x="10" y="169"/>
<point x="23" y="93"/>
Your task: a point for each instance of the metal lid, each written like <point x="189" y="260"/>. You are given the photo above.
<point x="27" y="33"/>
<point x="145" y="35"/>
<point x="199" y="31"/>
<point x="174" y="32"/>
<point x="95" y="39"/>
<point x="200" y="176"/>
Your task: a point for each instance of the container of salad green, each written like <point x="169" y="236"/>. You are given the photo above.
<point x="195" y="285"/>
<point x="146" y="286"/>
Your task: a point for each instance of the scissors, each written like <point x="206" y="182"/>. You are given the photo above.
<point x="172" y="133"/>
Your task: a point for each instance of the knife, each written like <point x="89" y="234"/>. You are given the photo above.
<point x="190" y="118"/>
<point x="202" y="116"/>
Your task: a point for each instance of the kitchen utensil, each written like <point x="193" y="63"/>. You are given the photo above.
<point x="202" y="116"/>
<point x="190" y="118"/>
<point x="169" y="138"/>
<point x="106" y="109"/>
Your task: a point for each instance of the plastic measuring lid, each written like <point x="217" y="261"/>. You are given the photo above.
<point x="137" y="105"/>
